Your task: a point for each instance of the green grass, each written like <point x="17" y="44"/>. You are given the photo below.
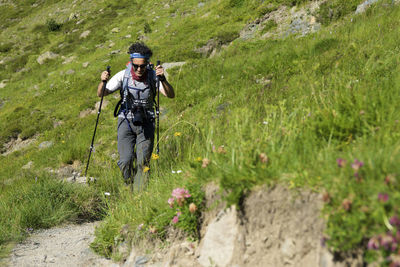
<point x="330" y="95"/>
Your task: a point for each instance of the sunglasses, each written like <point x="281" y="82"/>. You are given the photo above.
<point x="142" y="66"/>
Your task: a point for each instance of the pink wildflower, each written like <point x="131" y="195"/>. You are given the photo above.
<point x="395" y="221"/>
<point x="140" y="226"/>
<point x="387" y="241"/>
<point x="175" y="219"/>
<point x="373" y="243"/>
<point x="383" y="197"/>
<point x="180" y="193"/>
<point x="341" y="162"/>
<point x="356" y="165"/>
<point x="171" y="202"/>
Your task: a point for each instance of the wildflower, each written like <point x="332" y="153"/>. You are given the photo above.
<point x="387" y="241"/>
<point x="192" y="207"/>
<point x="179" y="171"/>
<point x="155" y="156"/>
<point x="395" y="221"/>
<point x="107" y="193"/>
<point x="263" y="158"/>
<point x="221" y="150"/>
<point x="199" y="159"/>
<point x="206" y="161"/>
<point x="390" y="179"/>
<point x="63" y="141"/>
<point x="146" y="169"/>
<point x="140" y="226"/>
<point x="152" y="230"/>
<point x="177" y="134"/>
<point x="175" y="219"/>
<point x="362" y="112"/>
<point x="373" y="243"/>
<point x="180" y="194"/>
<point x="356" y="165"/>
<point x="346" y="204"/>
<point x="383" y="197"/>
<point x="171" y="201"/>
<point x="341" y="162"/>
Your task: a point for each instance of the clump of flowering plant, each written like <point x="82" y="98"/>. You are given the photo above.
<point x="179" y="196"/>
<point x="388" y="243"/>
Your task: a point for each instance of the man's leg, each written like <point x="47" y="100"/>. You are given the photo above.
<point x="126" y="142"/>
<point x="144" y="148"/>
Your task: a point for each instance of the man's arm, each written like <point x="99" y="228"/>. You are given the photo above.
<point x="104" y="78"/>
<point x="166" y="88"/>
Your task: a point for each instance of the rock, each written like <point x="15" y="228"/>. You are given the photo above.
<point x="207" y="49"/>
<point x="111" y="44"/>
<point x="57" y="123"/>
<point x="79" y="22"/>
<point x="69" y="60"/>
<point x="115" y="30"/>
<point x="85" y="64"/>
<point x="84" y="34"/>
<point x="86" y="112"/>
<point x="219" y="241"/>
<point x="3" y="83"/>
<point x="288" y="248"/>
<point x="171" y="65"/>
<point x="115" y="52"/>
<point x="364" y="6"/>
<point x="70" y="72"/>
<point x="45" y="56"/>
<point x="201" y="4"/>
<point x="45" y="144"/>
<point x="103" y="105"/>
<point x="28" y="165"/>
<point x="73" y="16"/>
<point x="140" y="261"/>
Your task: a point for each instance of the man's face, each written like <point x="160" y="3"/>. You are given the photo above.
<point x="139" y="66"/>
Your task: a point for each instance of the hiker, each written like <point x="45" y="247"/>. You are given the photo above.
<point x="135" y="111"/>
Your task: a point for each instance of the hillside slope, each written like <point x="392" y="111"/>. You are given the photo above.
<point x="255" y="104"/>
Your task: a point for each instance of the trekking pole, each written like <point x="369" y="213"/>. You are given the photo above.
<point x="97" y="121"/>
<point x="158" y="111"/>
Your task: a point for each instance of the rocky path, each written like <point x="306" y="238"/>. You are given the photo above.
<point x="61" y="246"/>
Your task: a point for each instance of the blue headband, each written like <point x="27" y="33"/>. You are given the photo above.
<point x="138" y="55"/>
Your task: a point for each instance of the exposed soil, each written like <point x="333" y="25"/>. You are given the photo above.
<point x="62" y="246"/>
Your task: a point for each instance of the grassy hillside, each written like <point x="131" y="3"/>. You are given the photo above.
<point x="319" y="112"/>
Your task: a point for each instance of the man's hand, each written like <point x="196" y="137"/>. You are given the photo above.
<point x="160" y="72"/>
<point x="105" y="76"/>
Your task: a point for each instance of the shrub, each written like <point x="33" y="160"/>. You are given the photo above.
<point x="333" y="10"/>
<point x="52" y="25"/>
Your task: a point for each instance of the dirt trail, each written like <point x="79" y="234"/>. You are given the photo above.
<point x="66" y="245"/>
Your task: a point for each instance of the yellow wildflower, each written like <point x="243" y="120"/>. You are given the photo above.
<point x="155" y="156"/>
<point x="146" y="169"/>
<point x="199" y="159"/>
<point x="177" y="134"/>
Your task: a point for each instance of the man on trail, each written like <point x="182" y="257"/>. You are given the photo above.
<point x="135" y="111"/>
